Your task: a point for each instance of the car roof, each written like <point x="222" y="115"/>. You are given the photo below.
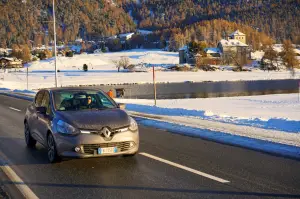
<point x="72" y="89"/>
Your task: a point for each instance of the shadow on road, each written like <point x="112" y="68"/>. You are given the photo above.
<point x="15" y="149"/>
<point x="173" y="190"/>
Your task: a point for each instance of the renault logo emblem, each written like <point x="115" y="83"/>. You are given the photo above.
<point x="106" y="132"/>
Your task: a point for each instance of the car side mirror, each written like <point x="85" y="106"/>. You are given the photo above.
<point x="41" y="110"/>
<point x="121" y="106"/>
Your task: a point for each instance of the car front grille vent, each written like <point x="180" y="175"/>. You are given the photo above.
<point x="121" y="146"/>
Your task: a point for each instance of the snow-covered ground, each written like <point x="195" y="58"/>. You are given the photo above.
<point x="277" y="112"/>
<point x="264" y="107"/>
<point x="272" y="118"/>
<point x="103" y="71"/>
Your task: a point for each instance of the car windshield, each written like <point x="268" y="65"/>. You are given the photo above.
<point x="81" y="100"/>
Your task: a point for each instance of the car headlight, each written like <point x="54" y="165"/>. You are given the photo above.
<point x="65" y="128"/>
<point x="133" y="125"/>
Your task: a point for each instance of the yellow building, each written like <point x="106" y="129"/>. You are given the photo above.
<point x="237" y="35"/>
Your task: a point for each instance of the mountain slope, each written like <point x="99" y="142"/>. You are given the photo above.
<point x="21" y="22"/>
<point x="277" y="18"/>
<point x="33" y="20"/>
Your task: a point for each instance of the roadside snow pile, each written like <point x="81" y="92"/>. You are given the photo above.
<point x="17" y="91"/>
<point x="278" y="112"/>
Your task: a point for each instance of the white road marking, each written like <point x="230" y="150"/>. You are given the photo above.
<point x="12" y="108"/>
<point x="185" y="168"/>
<point x="23" y="188"/>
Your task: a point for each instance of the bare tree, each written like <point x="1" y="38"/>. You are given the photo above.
<point x="122" y="63"/>
<point x="231" y="57"/>
<point x="269" y="59"/>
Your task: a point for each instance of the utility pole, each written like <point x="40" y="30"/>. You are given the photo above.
<point x="54" y="32"/>
<point x="299" y="92"/>
<point x="27" y="76"/>
<point x="154" y="85"/>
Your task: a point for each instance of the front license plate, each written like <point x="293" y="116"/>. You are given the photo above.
<point x="107" y="150"/>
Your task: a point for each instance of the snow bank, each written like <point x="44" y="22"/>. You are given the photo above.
<point x="278" y="148"/>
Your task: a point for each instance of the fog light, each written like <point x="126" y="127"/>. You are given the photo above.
<point x="77" y="149"/>
<point x="131" y="144"/>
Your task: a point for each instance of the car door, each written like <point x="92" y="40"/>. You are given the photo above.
<point x="33" y="119"/>
<point x="45" y="119"/>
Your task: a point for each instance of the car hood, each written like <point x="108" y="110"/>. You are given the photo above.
<point x="97" y="119"/>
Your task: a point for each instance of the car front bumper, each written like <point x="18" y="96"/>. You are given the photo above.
<point x="126" y="143"/>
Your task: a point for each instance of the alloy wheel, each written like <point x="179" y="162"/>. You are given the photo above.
<point x="27" y="133"/>
<point x="51" y="149"/>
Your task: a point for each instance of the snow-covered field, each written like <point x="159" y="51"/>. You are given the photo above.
<point x="263" y="107"/>
<point x="272" y="118"/>
<point x="277" y="112"/>
<point x="103" y="71"/>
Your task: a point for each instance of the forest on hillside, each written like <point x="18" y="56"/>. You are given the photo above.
<point x="209" y="31"/>
<point x="21" y="21"/>
<point x="31" y="21"/>
<point x="277" y="18"/>
<point x="212" y="31"/>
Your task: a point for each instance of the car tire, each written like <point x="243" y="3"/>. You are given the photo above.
<point x="30" y="141"/>
<point x="130" y="155"/>
<point x="51" y="149"/>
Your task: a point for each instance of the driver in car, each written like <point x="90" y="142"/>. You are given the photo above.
<point x="89" y="103"/>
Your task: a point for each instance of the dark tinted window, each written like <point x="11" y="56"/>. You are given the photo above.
<point x="39" y="99"/>
<point x="46" y="102"/>
<point x="81" y="100"/>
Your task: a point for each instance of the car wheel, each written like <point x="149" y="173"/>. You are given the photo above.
<point x="52" y="152"/>
<point x="30" y="141"/>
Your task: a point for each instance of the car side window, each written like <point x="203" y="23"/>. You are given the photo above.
<point x="105" y="101"/>
<point x="46" y="102"/>
<point x="39" y="98"/>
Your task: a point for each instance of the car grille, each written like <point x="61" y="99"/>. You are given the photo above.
<point x="121" y="146"/>
<point x="113" y="132"/>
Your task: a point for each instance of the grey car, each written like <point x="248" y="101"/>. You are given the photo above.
<point x="80" y="123"/>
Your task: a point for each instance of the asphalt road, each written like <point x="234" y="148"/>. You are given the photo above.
<point x="250" y="174"/>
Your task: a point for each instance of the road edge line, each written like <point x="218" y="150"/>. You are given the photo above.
<point x="21" y="186"/>
<point x="15" y="109"/>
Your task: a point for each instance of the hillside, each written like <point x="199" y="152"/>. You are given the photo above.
<point x="93" y="19"/>
<point x="279" y="19"/>
<point x="212" y="31"/>
<point x="32" y="20"/>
